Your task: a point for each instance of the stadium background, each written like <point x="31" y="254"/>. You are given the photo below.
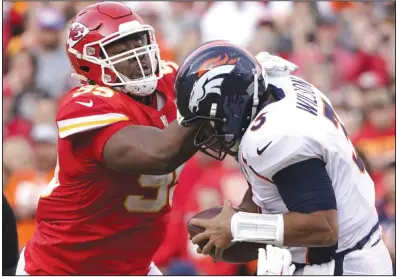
<point x="347" y="49"/>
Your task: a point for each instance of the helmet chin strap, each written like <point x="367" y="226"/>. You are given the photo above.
<point x="138" y="90"/>
<point x="235" y="147"/>
<point x="255" y="99"/>
<point x="255" y="104"/>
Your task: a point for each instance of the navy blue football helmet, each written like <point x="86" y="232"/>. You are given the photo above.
<point x="222" y="85"/>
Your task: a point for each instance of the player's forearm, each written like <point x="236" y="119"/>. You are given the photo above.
<point x="149" y="150"/>
<point x="175" y="145"/>
<point x="309" y="230"/>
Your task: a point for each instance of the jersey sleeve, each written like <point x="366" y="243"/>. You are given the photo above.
<point x="267" y="152"/>
<point x="88" y="113"/>
<point x="100" y="137"/>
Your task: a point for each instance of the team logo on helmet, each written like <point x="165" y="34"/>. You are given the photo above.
<point x="214" y="62"/>
<point x="211" y="75"/>
<point x="76" y="32"/>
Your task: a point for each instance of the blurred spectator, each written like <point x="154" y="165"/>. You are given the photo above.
<point x="387" y="209"/>
<point x="66" y="8"/>
<point x="367" y="41"/>
<point x="184" y="25"/>
<point x="22" y="29"/>
<point x="184" y="16"/>
<point x="17" y="154"/>
<point x="151" y="13"/>
<point x="22" y="72"/>
<point x="45" y="139"/>
<point x="265" y="37"/>
<point x="17" y="127"/>
<point x="53" y="66"/>
<point x="8" y="101"/>
<point x="25" y="184"/>
<point x="376" y="138"/>
<point x="233" y="21"/>
<point x="28" y="101"/>
<point x="45" y="111"/>
<point x="12" y="125"/>
<point x="347" y="103"/>
<point x="192" y="172"/>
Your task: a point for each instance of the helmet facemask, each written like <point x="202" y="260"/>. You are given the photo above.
<point x="141" y="85"/>
<point x="213" y="144"/>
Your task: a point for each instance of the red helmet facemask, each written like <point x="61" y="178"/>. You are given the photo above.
<point x="96" y="27"/>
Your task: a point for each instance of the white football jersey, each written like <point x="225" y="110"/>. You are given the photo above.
<point x="302" y="126"/>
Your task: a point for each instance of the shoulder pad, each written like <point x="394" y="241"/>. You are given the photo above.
<point x="169" y="67"/>
<point x="274" y="146"/>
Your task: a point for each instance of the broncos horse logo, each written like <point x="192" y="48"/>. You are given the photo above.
<point x="211" y="75"/>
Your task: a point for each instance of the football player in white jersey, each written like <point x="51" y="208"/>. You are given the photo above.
<point x="313" y="191"/>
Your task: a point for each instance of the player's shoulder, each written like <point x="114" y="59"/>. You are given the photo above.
<point x="274" y="140"/>
<point x="288" y="117"/>
<point x="273" y="121"/>
<point x="269" y="129"/>
<point x="169" y="70"/>
<point x="89" y="107"/>
<point x="100" y="94"/>
<point x="166" y="83"/>
<point x="88" y="100"/>
<point x="169" y="67"/>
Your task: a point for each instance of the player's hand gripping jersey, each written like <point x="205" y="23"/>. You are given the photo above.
<point x="301" y="126"/>
<point x="91" y="219"/>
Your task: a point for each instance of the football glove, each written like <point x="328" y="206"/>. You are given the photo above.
<point x="274" y="65"/>
<point x="275" y="261"/>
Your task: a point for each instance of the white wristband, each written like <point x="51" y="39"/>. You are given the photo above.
<point x="259" y="228"/>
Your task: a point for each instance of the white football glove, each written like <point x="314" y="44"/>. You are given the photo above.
<point x="274" y="65"/>
<point x="275" y="261"/>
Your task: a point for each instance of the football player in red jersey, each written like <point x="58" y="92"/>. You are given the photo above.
<point x="105" y="210"/>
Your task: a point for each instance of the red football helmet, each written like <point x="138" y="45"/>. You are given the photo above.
<point x="99" y="25"/>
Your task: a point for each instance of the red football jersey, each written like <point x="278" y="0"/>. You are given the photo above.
<point x="93" y="220"/>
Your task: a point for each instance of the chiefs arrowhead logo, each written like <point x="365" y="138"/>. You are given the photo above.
<point x="76" y="32"/>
